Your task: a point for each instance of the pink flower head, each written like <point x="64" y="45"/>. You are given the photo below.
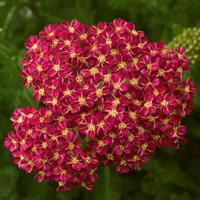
<point x="108" y="96"/>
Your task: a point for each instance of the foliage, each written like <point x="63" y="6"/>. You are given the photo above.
<point x="170" y="175"/>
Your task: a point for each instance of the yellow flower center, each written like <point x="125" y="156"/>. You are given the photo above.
<point x="151" y="118"/>
<point x="56" y="156"/>
<point x="122" y="125"/>
<point x="13" y="141"/>
<point x="128" y="95"/>
<point x="155" y="92"/>
<point x="82" y="59"/>
<point x="117" y="85"/>
<point x="128" y="46"/>
<point x="74" y="160"/>
<point x="72" y="54"/>
<point x="180" y="69"/>
<point x="148" y="104"/>
<point x="110" y="156"/>
<point x="67" y="42"/>
<point x="156" y="137"/>
<point x="164" y="103"/>
<point x="141" y="129"/>
<point x="132" y="115"/>
<point x="41" y="119"/>
<point x="100" y="107"/>
<point x="121" y="65"/>
<point x="134" y="61"/>
<point x="71" y="146"/>
<point x="71" y="29"/>
<point x="19" y="120"/>
<point x="83" y="36"/>
<point x="106" y="77"/>
<point x="135" y="158"/>
<point x="50" y="34"/>
<point x="187" y="88"/>
<point x="83" y="184"/>
<point x="83" y="115"/>
<point x="29" y="131"/>
<point x="134" y="32"/>
<point x="79" y="79"/>
<point x="65" y="131"/>
<point x="113" y="112"/>
<point x="21" y="157"/>
<point x="22" y="142"/>
<point x="41" y="91"/>
<point x="165" y="121"/>
<point x="30" y="163"/>
<point x="113" y="52"/>
<point x="99" y="31"/>
<point x="67" y="92"/>
<point x="140" y="45"/>
<point x="55" y="42"/>
<point x="149" y="66"/>
<point x="117" y="28"/>
<point x="93" y="47"/>
<point x="161" y="72"/>
<point x="102" y="58"/>
<point x="91" y="127"/>
<point x="99" y="92"/>
<point x="88" y="159"/>
<point x="137" y="102"/>
<point x="101" y="124"/>
<point x="34" y="46"/>
<point x="112" y="134"/>
<point x="82" y="100"/>
<point x="123" y="162"/>
<point x="29" y="79"/>
<point x="100" y="143"/>
<point x="39" y="68"/>
<point x="42" y="173"/>
<point x="56" y="68"/>
<point x="108" y="42"/>
<point x="131" y="138"/>
<point x="44" y="145"/>
<point x="144" y="146"/>
<point x="134" y="81"/>
<point x="116" y="102"/>
<point x="54" y="101"/>
<point x="93" y="71"/>
<point x="33" y="149"/>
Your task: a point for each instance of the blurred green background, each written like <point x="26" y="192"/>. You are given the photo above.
<point x="169" y="175"/>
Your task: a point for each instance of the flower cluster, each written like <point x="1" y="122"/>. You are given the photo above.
<point x="108" y="96"/>
<point x="189" y="39"/>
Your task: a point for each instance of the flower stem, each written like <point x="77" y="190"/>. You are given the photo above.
<point x="4" y="54"/>
<point x="107" y="182"/>
<point x="4" y="48"/>
<point x="8" y="19"/>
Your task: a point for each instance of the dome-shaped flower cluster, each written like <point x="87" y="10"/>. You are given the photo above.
<point x="108" y="96"/>
<point x="189" y="39"/>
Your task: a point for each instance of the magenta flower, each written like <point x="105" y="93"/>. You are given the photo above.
<point x="108" y="96"/>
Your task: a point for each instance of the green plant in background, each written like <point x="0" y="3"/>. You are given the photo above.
<point x="168" y="175"/>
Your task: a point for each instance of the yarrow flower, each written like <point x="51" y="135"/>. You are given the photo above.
<point x="107" y="96"/>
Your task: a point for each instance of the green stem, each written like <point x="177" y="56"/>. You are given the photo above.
<point x="4" y="54"/>
<point x="107" y="182"/>
<point x="8" y="19"/>
<point x="3" y="47"/>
